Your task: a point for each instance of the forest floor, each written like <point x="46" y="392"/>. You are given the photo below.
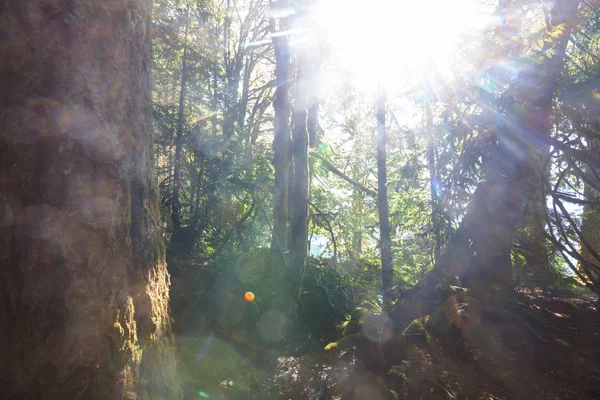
<point x="555" y="354"/>
<point x="549" y="350"/>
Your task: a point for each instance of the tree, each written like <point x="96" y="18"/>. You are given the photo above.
<point x="510" y="161"/>
<point x="178" y="238"/>
<point x="385" y="241"/>
<point x="433" y="182"/>
<point x="209" y="153"/>
<point x="299" y="190"/>
<point x="536" y="252"/>
<point x="282" y="140"/>
<point x="83" y="279"/>
<point x="305" y="121"/>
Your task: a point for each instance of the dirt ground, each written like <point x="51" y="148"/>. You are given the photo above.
<point x="549" y="350"/>
<point x="544" y="344"/>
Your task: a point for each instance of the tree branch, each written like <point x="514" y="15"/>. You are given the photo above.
<point x="329" y="228"/>
<point x="327" y="164"/>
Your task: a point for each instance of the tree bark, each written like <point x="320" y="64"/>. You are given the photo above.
<point x="481" y="252"/>
<point x="385" y="241"/>
<point x="300" y="192"/>
<point x="433" y="181"/>
<point x="83" y="283"/>
<point x="282" y="140"/>
<point x="177" y="238"/>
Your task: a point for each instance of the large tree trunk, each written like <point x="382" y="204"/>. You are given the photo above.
<point x="491" y="221"/>
<point x="385" y="241"/>
<point x="486" y="233"/>
<point x="83" y="282"/>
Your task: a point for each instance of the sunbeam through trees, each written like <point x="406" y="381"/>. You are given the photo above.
<point x="300" y="199"/>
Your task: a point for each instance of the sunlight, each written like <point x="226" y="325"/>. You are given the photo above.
<point x="398" y="40"/>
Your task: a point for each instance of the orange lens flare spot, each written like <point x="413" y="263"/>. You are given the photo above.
<point x="249" y="296"/>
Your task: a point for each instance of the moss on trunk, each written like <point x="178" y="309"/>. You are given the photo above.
<point x="83" y="282"/>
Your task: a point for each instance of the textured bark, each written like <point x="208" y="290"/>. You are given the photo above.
<point x="83" y="282"/>
<point x="481" y="253"/>
<point x="299" y="201"/>
<point x="490" y="224"/>
<point x="385" y="241"/>
<point x="299" y="193"/>
<point x="539" y="269"/>
<point x="282" y="140"/>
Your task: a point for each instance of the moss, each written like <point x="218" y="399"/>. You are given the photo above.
<point x="354" y="324"/>
<point x="352" y="330"/>
<point x="490" y="293"/>
<point x="438" y="322"/>
<point x="344" y="343"/>
<point x="416" y="329"/>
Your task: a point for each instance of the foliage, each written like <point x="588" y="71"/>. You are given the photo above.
<point x="446" y="138"/>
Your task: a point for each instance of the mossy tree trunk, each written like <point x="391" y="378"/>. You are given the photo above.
<point x="83" y="282"/>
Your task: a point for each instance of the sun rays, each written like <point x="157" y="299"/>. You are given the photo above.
<point x="398" y="41"/>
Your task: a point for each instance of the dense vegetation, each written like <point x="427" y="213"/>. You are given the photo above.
<point x="482" y="173"/>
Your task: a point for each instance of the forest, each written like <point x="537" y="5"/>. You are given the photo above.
<point x="300" y="199"/>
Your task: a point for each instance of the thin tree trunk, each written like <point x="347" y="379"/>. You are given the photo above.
<point x="385" y="241"/>
<point x="84" y="288"/>
<point x="299" y="222"/>
<point x="214" y="93"/>
<point x="433" y="181"/>
<point x="175" y="201"/>
<point x="539" y="271"/>
<point x="303" y="122"/>
<point x="198" y="189"/>
<point x="358" y="205"/>
<point x="282" y="140"/>
<point x="299" y="199"/>
<point x="233" y="70"/>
